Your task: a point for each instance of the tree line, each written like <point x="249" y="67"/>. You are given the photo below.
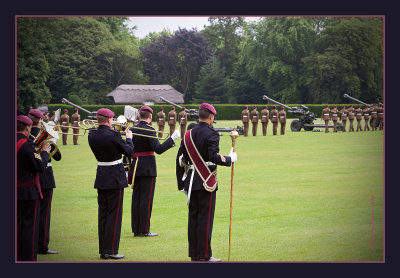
<point x="309" y="60"/>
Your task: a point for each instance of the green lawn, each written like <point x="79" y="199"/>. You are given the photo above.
<point x="305" y="196"/>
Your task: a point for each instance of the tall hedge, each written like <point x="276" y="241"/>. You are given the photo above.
<point x="224" y="111"/>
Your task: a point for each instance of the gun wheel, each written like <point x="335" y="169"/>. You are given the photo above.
<point x="295" y="125"/>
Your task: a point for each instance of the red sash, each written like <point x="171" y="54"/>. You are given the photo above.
<point x="209" y="180"/>
<point x="140" y="154"/>
<point x="31" y="182"/>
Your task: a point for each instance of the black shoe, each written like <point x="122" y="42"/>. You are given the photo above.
<point x="111" y="256"/>
<point x="194" y="259"/>
<point x="145" y="234"/>
<point x="212" y="259"/>
<point x="48" y="252"/>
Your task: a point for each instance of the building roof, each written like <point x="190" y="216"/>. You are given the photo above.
<point x="141" y="94"/>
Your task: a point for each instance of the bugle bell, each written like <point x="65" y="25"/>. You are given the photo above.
<point x="47" y="135"/>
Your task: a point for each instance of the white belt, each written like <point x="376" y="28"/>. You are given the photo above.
<point x="75" y="122"/>
<point x="359" y="114"/>
<point x="344" y="115"/>
<point x="380" y="113"/>
<point x="64" y="122"/>
<point x="109" y="163"/>
<point x="334" y="115"/>
<point x="326" y="114"/>
<point x="263" y="116"/>
<point x="244" y="116"/>
<point x="274" y="116"/>
<point x="282" y="117"/>
<point x="172" y="118"/>
<point x="254" y="116"/>
<point x="161" y="119"/>
<point x="373" y="112"/>
<point x="49" y="164"/>
<point x="208" y="163"/>
<point x="182" y="118"/>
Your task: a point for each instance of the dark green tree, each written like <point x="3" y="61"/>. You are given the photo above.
<point x="32" y="65"/>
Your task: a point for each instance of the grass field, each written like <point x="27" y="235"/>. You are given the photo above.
<point x="305" y="196"/>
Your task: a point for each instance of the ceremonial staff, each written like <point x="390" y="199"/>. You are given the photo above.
<point x="234" y="135"/>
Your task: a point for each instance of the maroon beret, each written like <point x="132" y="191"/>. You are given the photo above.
<point x="208" y="107"/>
<point x="274" y="106"/>
<point x="283" y="107"/>
<point x="255" y="107"/>
<point x="265" y="106"/>
<point x="105" y="112"/>
<point x="335" y="106"/>
<point x="343" y="107"/>
<point x="173" y="107"/>
<point x="146" y="108"/>
<point x="246" y="106"/>
<point x="36" y="113"/>
<point x="75" y="109"/>
<point x="65" y="110"/>
<point x="183" y="108"/>
<point x="24" y="119"/>
<point x="161" y="108"/>
<point x="326" y="105"/>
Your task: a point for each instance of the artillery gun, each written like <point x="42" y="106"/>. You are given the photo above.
<point x="359" y="101"/>
<point x="305" y="117"/>
<point x="91" y="115"/>
<point x="194" y="116"/>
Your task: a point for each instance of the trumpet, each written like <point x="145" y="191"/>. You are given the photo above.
<point x="47" y="135"/>
<point x="121" y="126"/>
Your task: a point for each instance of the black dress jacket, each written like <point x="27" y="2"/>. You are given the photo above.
<point x="206" y="140"/>
<point x="29" y="163"/>
<point x="107" y="145"/>
<point x="146" y="166"/>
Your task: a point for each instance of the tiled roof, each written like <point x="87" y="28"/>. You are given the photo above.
<point x="140" y="94"/>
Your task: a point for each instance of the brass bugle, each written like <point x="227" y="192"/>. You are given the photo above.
<point x="61" y="132"/>
<point x="93" y="124"/>
<point x="46" y="135"/>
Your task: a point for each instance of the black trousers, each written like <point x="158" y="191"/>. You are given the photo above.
<point x="110" y="203"/>
<point x="200" y="223"/>
<point x="44" y="220"/>
<point x="27" y="229"/>
<point x="142" y="204"/>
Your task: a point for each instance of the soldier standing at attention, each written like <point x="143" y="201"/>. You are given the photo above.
<point x="64" y="119"/>
<point x="358" y="112"/>
<point x="183" y="120"/>
<point x="380" y="116"/>
<point x="172" y="121"/>
<point x="199" y="150"/>
<point x="274" y="119"/>
<point x="254" y="120"/>
<point x="334" y="117"/>
<point x="325" y="115"/>
<point x="374" y="116"/>
<point x="29" y="164"/>
<point x="282" y="120"/>
<point x="75" y="123"/>
<point x="343" y="117"/>
<point x="245" y="120"/>
<point x="160" y="122"/>
<point x="46" y="118"/>
<point x="350" y="110"/>
<point x="108" y="146"/>
<point x="143" y="172"/>
<point x="264" y="120"/>
<point x="366" y="112"/>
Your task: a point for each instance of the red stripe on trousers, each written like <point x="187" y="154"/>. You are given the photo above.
<point x="116" y="220"/>
<point x="47" y="217"/>
<point x="33" y="234"/>
<point x="148" y="207"/>
<point x="208" y="225"/>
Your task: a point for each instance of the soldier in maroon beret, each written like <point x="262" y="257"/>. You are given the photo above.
<point x="254" y="120"/>
<point x="334" y="117"/>
<point x="245" y="120"/>
<point x="274" y="119"/>
<point x="366" y="112"/>
<point x="264" y="119"/>
<point x="172" y="120"/>
<point x="161" y="122"/>
<point x="64" y="119"/>
<point x="343" y="116"/>
<point x="30" y="162"/>
<point x="350" y="110"/>
<point x="282" y="119"/>
<point x="108" y="146"/>
<point x="183" y="120"/>
<point x="325" y="116"/>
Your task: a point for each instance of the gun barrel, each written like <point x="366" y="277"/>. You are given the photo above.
<point x="274" y="101"/>
<point x="170" y="102"/>
<point x="64" y="100"/>
<point x="359" y="101"/>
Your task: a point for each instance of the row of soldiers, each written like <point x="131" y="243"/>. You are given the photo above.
<point x="351" y="114"/>
<point x="276" y="117"/>
<point x="172" y="119"/>
<point x="64" y="122"/>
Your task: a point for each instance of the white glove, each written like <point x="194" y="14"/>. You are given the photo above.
<point x="233" y="156"/>
<point x="175" y="135"/>
<point x="183" y="191"/>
